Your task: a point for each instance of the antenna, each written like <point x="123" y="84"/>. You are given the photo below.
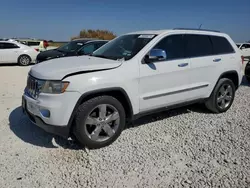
<point x="200" y="26"/>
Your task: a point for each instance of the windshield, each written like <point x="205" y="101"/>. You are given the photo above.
<point x="71" y="46"/>
<point x="124" y="47"/>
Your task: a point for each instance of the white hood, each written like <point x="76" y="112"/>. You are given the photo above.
<point x="57" y="69"/>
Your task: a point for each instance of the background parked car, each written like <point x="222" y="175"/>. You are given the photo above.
<point x="245" y="49"/>
<point x="15" y="52"/>
<point x="73" y="48"/>
<point x="35" y="43"/>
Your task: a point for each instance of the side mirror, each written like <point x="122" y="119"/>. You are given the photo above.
<point x="155" y="55"/>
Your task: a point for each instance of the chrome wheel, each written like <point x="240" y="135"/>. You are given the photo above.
<point x="24" y="60"/>
<point x="225" y="96"/>
<point x="102" y="122"/>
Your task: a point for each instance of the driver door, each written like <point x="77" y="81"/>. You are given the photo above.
<point x="165" y="83"/>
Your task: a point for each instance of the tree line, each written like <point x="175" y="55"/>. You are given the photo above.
<point x="97" y="34"/>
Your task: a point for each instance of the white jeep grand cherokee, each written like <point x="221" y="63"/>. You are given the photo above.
<point x="92" y="97"/>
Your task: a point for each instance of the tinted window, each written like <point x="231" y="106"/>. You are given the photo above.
<point x="221" y="45"/>
<point x="245" y="46"/>
<point x="198" y="45"/>
<point x="173" y="45"/>
<point x="33" y="43"/>
<point x="72" y="46"/>
<point x="1" y="45"/>
<point x="8" y="46"/>
<point x="98" y="45"/>
<point x="88" y="49"/>
<point x="124" y="47"/>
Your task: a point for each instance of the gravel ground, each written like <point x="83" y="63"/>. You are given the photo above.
<point x="186" y="147"/>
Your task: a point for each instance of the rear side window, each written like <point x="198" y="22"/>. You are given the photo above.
<point x="221" y="45"/>
<point x="88" y="49"/>
<point x="198" y="45"/>
<point x="33" y="43"/>
<point x="8" y="46"/>
<point x="173" y="45"/>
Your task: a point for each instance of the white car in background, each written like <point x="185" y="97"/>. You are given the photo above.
<point x="245" y="49"/>
<point x="15" y="52"/>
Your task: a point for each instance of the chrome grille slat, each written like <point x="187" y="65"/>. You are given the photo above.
<point x="33" y="87"/>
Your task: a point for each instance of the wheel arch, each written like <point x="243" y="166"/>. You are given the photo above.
<point x="119" y="93"/>
<point x="232" y="75"/>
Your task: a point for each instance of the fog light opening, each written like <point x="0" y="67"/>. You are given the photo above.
<point x="45" y="113"/>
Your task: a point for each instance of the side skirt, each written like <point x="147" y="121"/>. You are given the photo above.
<point x="154" y="111"/>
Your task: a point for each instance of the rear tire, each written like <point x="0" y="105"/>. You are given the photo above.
<point x="222" y="96"/>
<point x="99" y="122"/>
<point x="24" y="60"/>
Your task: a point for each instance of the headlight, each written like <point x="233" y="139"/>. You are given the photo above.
<point x="54" y="87"/>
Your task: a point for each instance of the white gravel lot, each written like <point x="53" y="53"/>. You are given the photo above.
<point x="186" y="147"/>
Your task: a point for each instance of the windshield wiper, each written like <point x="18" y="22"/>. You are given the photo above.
<point x="121" y="58"/>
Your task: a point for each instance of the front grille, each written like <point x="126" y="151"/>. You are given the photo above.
<point x="33" y="87"/>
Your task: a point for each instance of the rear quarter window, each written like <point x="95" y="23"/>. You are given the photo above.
<point x="221" y="45"/>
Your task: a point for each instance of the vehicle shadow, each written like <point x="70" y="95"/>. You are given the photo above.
<point x="9" y="65"/>
<point x="30" y="133"/>
<point x="199" y="108"/>
<point x="244" y="82"/>
<point x="14" y="65"/>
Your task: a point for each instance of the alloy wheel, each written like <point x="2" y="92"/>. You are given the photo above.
<point x="102" y="122"/>
<point x="225" y="96"/>
<point x="24" y="60"/>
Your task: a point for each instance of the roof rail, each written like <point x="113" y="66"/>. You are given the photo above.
<point x="195" y="29"/>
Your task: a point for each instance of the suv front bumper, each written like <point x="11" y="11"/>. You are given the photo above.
<point x="58" y="110"/>
<point x="62" y="131"/>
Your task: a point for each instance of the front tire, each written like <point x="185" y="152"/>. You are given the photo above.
<point x="222" y="96"/>
<point x="24" y="60"/>
<point x="99" y="122"/>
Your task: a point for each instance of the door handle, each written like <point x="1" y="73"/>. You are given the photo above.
<point x="217" y="60"/>
<point x="183" y="65"/>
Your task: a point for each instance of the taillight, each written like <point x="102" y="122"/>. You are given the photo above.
<point x="242" y="59"/>
<point x="37" y="49"/>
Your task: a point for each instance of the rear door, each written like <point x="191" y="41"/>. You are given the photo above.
<point x="9" y="52"/>
<point x="207" y="57"/>
<point x="203" y="64"/>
